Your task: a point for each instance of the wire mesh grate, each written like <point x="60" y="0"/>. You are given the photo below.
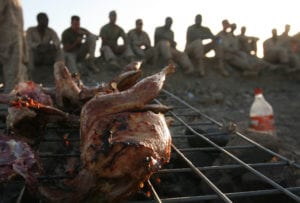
<point x="199" y="143"/>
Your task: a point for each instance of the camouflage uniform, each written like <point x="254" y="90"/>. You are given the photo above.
<point x="78" y="53"/>
<point x="165" y="47"/>
<point x="50" y="41"/>
<point x="274" y="52"/>
<point x="137" y="40"/>
<point x="247" y="44"/>
<point x="278" y="50"/>
<point x="111" y="49"/>
<point x="233" y="56"/>
<point x="12" y="43"/>
<point x="197" y="50"/>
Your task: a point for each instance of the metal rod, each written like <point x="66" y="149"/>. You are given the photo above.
<point x="193" y="124"/>
<point x="231" y="166"/>
<point x="53" y="177"/>
<point x="265" y="178"/>
<point x="61" y="140"/>
<point x="51" y="155"/>
<point x="154" y="192"/>
<point x="200" y="174"/>
<point x="237" y="133"/>
<point x="216" y="149"/>
<point x="231" y="195"/>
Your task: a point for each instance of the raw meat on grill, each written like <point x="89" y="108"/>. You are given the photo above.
<point x="17" y="159"/>
<point x="27" y="89"/>
<point x="26" y="118"/>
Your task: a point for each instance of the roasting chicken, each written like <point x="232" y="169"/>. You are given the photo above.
<point x="71" y="92"/>
<point x="122" y="144"/>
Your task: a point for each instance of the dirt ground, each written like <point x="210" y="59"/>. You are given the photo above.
<point x="223" y="98"/>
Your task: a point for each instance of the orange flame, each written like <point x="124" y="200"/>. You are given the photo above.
<point x="26" y="102"/>
<point x="141" y="184"/>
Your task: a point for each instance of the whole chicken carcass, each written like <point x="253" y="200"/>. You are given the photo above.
<point x="122" y="145"/>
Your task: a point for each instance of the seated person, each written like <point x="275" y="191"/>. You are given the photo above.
<point x="233" y="56"/>
<point x="196" y="50"/>
<point x="165" y="47"/>
<point x="43" y="43"/>
<point x="110" y="33"/>
<point x="78" y="44"/>
<point x="279" y="52"/>
<point x="246" y="43"/>
<point x="139" y="40"/>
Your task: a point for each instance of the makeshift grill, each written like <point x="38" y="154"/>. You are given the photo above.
<point x="198" y="141"/>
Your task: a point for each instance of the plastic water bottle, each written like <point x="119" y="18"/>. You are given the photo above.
<point x="261" y="114"/>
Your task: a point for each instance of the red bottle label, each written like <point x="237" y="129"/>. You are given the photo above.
<point x="262" y="123"/>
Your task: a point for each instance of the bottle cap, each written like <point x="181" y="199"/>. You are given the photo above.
<point x="258" y="90"/>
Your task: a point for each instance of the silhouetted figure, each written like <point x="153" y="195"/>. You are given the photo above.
<point x="12" y="43"/>
<point x="196" y="50"/>
<point x="139" y="40"/>
<point x="246" y="43"/>
<point x="165" y="47"/>
<point x="78" y="44"/>
<point x="278" y="50"/>
<point x="43" y="44"/>
<point x="110" y="34"/>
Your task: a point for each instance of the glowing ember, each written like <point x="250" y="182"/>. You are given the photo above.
<point x="141" y="185"/>
<point x="26" y="102"/>
<point x="66" y="140"/>
<point x="158" y="180"/>
<point x="148" y="194"/>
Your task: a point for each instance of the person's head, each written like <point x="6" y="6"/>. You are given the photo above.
<point x="75" y="22"/>
<point x="139" y="24"/>
<point x="168" y="22"/>
<point x="274" y="32"/>
<point x="225" y="24"/>
<point x="42" y="20"/>
<point x="198" y="19"/>
<point x="233" y="27"/>
<point x="287" y="28"/>
<point x="112" y="17"/>
<point x="243" y="30"/>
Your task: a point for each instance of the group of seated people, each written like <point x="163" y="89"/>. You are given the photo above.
<point x="78" y="44"/>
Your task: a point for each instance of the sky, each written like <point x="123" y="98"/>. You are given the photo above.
<point x="259" y="16"/>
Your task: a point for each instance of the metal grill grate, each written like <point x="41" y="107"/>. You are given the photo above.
<point x="187" y="178"/>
